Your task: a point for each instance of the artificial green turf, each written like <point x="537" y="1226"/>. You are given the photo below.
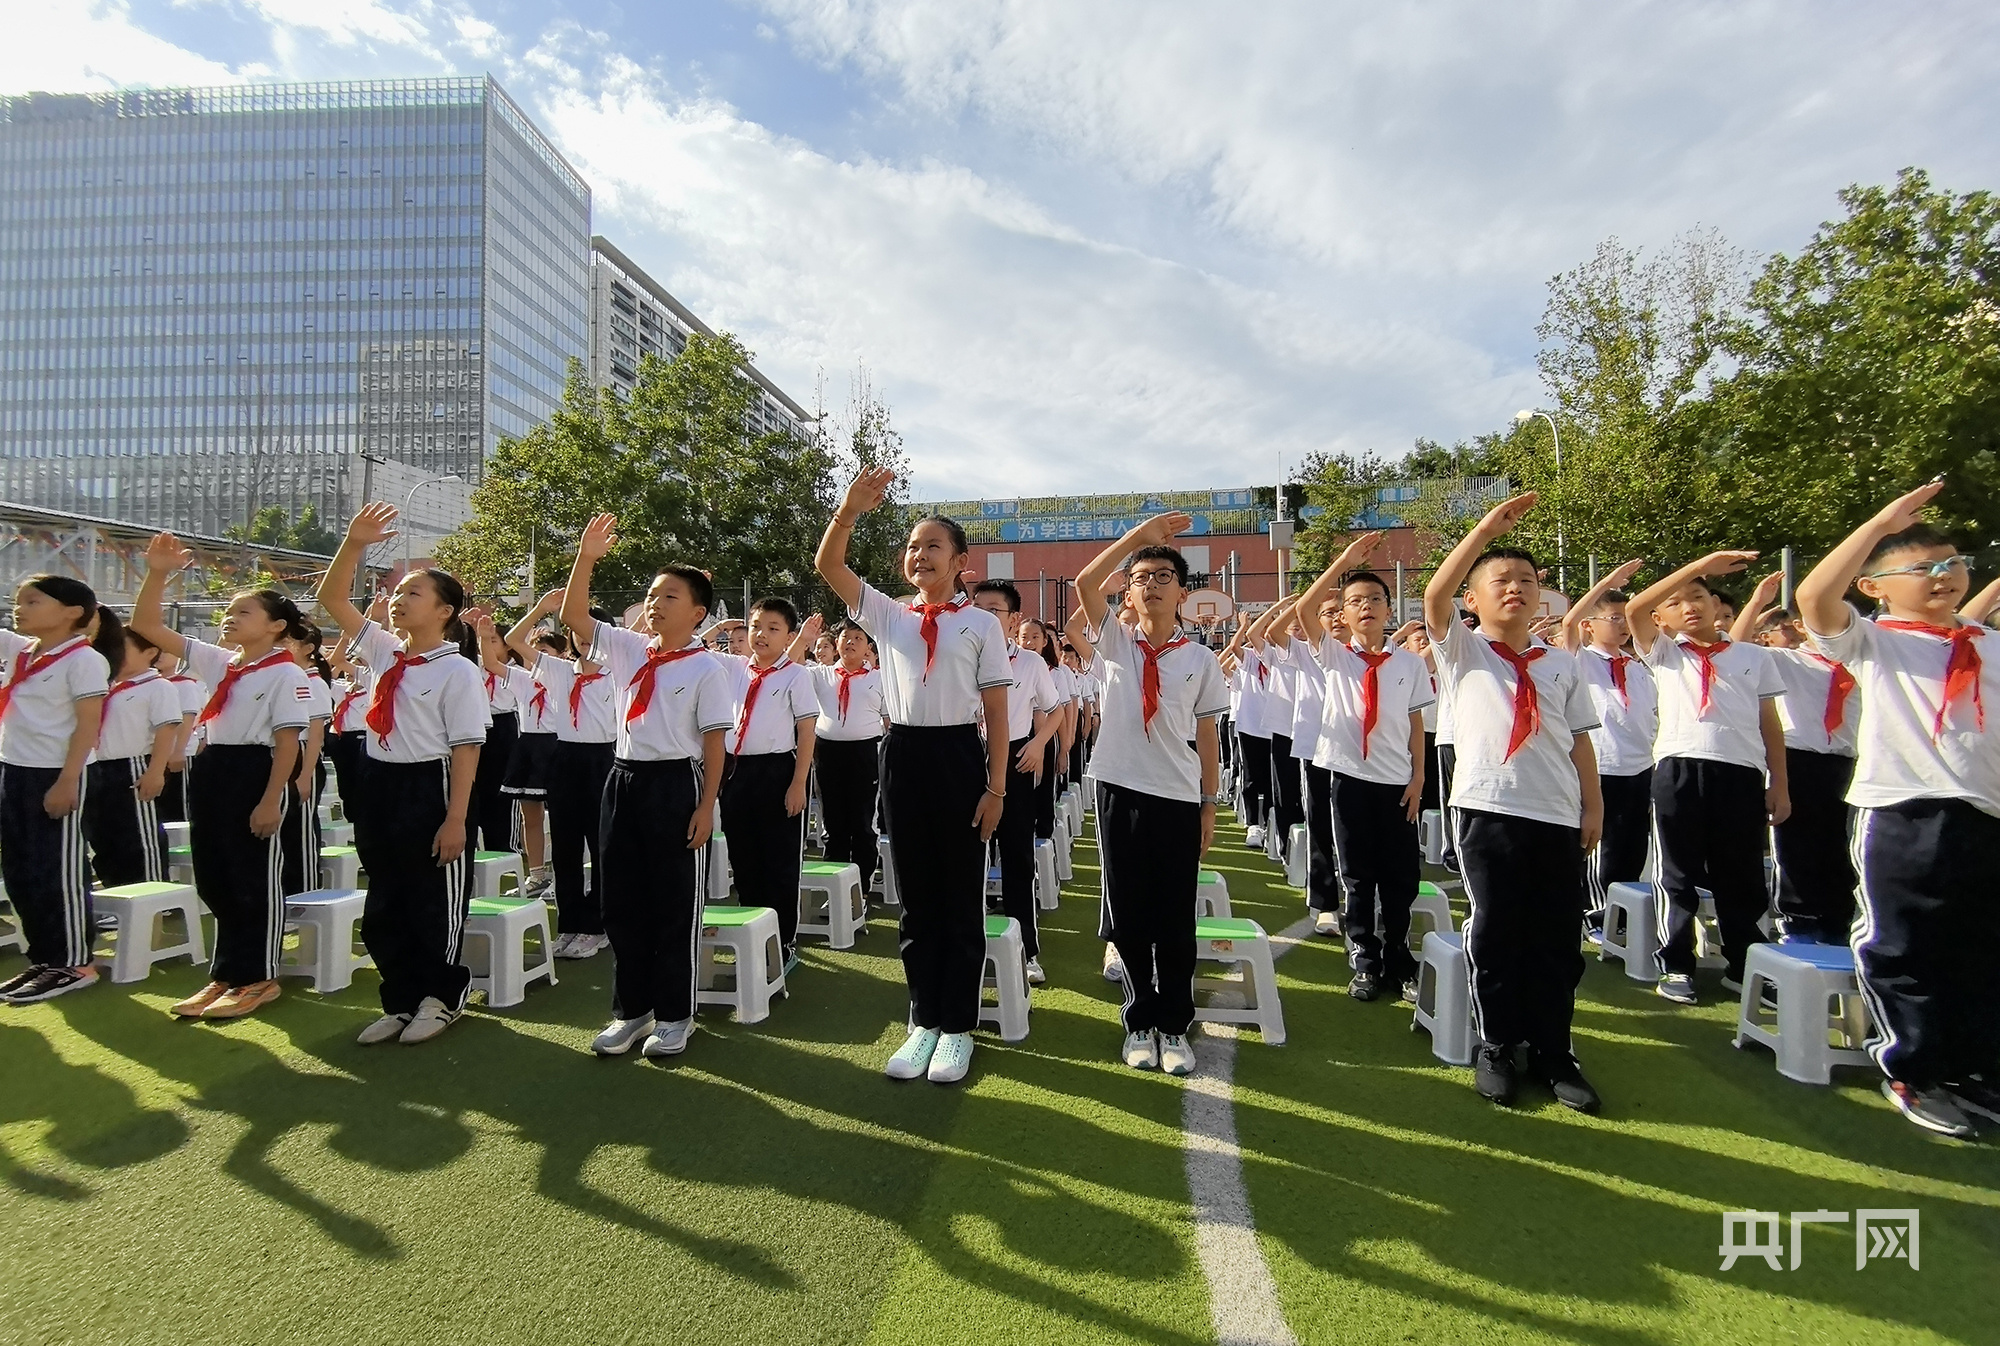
<point x="270" y="1180"/>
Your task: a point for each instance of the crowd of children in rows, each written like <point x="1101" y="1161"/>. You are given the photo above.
<point x="1563" y="755"/>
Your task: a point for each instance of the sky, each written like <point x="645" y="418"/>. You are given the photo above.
<point x="1140" y="244"/>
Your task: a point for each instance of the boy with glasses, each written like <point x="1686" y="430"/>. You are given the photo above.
<point x="1628" y="710"/>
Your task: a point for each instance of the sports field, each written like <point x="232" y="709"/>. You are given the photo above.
<point x="268" y="1180"/>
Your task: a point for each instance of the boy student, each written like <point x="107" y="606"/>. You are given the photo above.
<point x="1526" y="808"/>
<point x="1819" y="711"/>
<point x="1308" y="730"/>
<point x="1628" y="711"/>
<point x="659" y="800"/>
<point x="1156" y="773"/>
<point x="770" y="757"/>
<point x="1372" y="745"/>
<point x="1927" y="787"/>
<point x="1719" y="771"/>
<point x="1031" y="702"/>
<point x="1252" y="680"/>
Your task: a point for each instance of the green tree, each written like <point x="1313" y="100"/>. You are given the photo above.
<point x="867" y="437"/>
<point x="272" y="527"/>
<point x="1344" y="487"/>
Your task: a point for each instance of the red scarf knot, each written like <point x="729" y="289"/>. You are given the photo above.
<point x="1149" y="677"/>
<point x="27" y="665"/>
<point x="381" y="715"/>
<point x="1527" y="701"/>
<point x="1618" y="662"/>
<point x="1838" y="688"/>
<point x="576" y="687"/>
<point x="846" y="676"/>
<point x="1704" y="656"/>
<point x="340" y="711"/>
<point x="1961" y="670"/>
<point x="757" y="676"/>
<point x="1371" y="693"/>
<point x="540" y="701"/>
<point x="929" y="629"/>
<point x="641" y="685"/>
<point x="123" y="684"/>
<point x="220" y="697"/>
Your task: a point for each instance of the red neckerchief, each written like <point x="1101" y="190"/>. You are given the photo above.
<point x="381" y="715"/>
<point x="929" y="630"/>
<point x="757" y="676"/>
<point x="846" y="676"/>
<point x="576" y="686"/>
<point x="539" y="702"/>
<point x="1149" y="677"/>
<point x="1371" y="693"/>
<point x="1704" y="656"/>
<point x="492" y="681"/>
<point x="1838" y="688"/>
<point x="1527" y="701"/>
<point x="1618" y="662"/>
<point x="1961" y="670"/>
<point x="28" y="665"/>
<point x="353" y="694"/>
<point x="220" y="697"/>
<point x="641" y="685"/>
<point x="123" y="684"/>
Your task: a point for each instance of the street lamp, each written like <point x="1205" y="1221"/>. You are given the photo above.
<point x="409" y="500"/>
<point x="1562" y="569"/>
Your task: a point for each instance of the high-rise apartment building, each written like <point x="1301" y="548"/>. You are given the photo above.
<point x="215" y="300"/>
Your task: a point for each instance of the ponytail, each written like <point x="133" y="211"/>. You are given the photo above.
<point x="109" y="638"/>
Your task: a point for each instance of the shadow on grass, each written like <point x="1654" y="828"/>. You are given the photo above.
<point x="92" y="1119"/>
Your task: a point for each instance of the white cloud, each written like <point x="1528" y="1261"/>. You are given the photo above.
<point x="91" y="46"/>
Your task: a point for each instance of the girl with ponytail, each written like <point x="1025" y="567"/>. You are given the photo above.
<point x="300" y="837"/>
<point x="128" y="771"/>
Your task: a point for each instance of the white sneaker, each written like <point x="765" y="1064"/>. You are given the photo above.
<point x="1176" y="1055"/>
<point x="669" y="1039"/>
<point x="588" y="946"/>
<point x="1253" y="836"/>
<point x="433" y="1016"/>
<point x="1327" y="923"/>
<point x="1114" y="966"/>
<point x="952" y="1058"/>
<point x="384" y="1028"/>
<point x="560" y="949"/>
<point x="913" y="1058"/>
<point x="1677" y="987"/>
<point x="619" y="1035"/>
<point x="1141" y="1050"/>
<point x="1036" y="976"/>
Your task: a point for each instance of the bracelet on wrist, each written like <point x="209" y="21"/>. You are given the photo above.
<point x="997" y="794"/>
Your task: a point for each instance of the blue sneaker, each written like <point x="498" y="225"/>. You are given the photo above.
<point x="913" y="1058"/>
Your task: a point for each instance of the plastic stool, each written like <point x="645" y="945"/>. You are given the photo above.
<point x="1273" y="844"/>
<point x="335" y="834"/>
<point x="1007" y="956"/>
<point x="491" y="868"/>
<point x="758" y="973"/>
<point x="1819" y="999"/>
<point x="1296" y="850"/>
<point x="339" y="867"/>
<point x="892" y="895"/>
<point x="180" y="864"/>
<point x="846" y="907"/>
<point x="138" y="907"/>
<point x="177" y="835"/>
<point x="1444" y="998"/>
<point x="1630" y="911"/>
<point x="1430" y="828"/>
<point x="1433" y="906"/>
<point x="1707" y="933"/>
<point x="720" y="875"/>
<point x="325" y="919"/>
<point x="1048" y="888"/>
<point x="1211" y="895"/>
<point x="1245" y="944"/>
<point x="501" y="970"/>
<point x="1065" y="870"/>
<point x="1073" y="805"/>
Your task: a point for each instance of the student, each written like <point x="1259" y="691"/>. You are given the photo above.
<point x="1819" y="712"/>
<point x="299" y="837"/>
<point x="172" y="803"/>
<point x="492" y="808"/>
<point x="128" y="770"/>
<point x="1719" y="744"/>
<point x="583" y="705"/>
<point x="1028" y="727"/>
<point x="51" y="706"/>
<point x="674" y="713"/>
<point x="770" y="754"/>
<point x="1253" y="736"/>
<point x="1372" y="743"/>
<point x="1156" y="770"/>
<point x="1289" y="646"/>
<point x="1280" y="689"/>
<point x="1037" y="639"/>
<point x="239" y="784"/>
<point x="526" y="781"/>
<point x="1627" y="704"/>
<point x="1525" y="807"/>
<point x="1086" y="710"/>
<point x="344" y="746"/>
<point x="1927" y="791"/>
<point x="847" y="742"/>
<point x="426" y="723"/>
<point x="944" y="663"/>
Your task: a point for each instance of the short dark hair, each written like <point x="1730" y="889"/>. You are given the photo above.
<point x="1917" y="535"/>
<point x="1005" y="588"/>
<point x="1366" y="577"/>
<point x="1501" y="554"/>
<point x="698" y="582"/>
<point x="1776" y="617"/>
<point x="782" y="606"/>
<point x="1161" y="553"/>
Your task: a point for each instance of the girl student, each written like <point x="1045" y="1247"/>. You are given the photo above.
<point x="1029" y="726"/>
<point x="659" y="801"/>
<point x="299" y="837"/>
<point x="527" y="779"/>
<point x="344" y="730"/>
<point x="847" y="742"/>
<point x="426" y="723"/>
<point x="128" y="770"/>
<point x="944" y="662"/>
<point x="240" y="782"/>
<point x="1037" y="639"/>
<point x="172" y="803"/>
<point x="582" y="706"/>
<point x="492" y="810"/>
<point x="50" y="708"/>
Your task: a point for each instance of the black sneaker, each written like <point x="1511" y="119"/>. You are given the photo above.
<point x="1363" y="986"/>
<point x="1493" y="1073"/>
<point x="1979" y="1096"/>
<point x="20" y="979"/>
<point x="1932" y="1109"/>
<point x="1565" y="1079"/>
<point x="1451" y="862"/>
<point x="51" y="982"/>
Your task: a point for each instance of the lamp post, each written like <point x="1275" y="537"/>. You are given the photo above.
<point x="409" y="500"/>
<point x="1562" y="568"/>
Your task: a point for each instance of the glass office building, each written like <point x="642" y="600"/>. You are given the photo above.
<point x="218" y="300"/>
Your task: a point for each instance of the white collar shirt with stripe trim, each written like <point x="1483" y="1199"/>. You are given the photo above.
<point x="1031" y="690"/>
<point x="971" y="658"/>
<point x="690" y="697"/>
<point x="1730" y="730"/>
<point x="1308" y="698"/>
<point x="1539" y="780"/>
<point x="192" y="692"/>
<point x="440" y="701"/>
<point x="349" y="722"/>
<point x="596" y="717"/>
<point x="532" y="721"/>
<point x="784" y="698"/>
<point x="1627" y="721"/>
<point x="1255" y="707"/>
<point x="1802" y="710"/>
<point x="1159" y="759"/>
<point x="1403" y="687"/>
<point x="1900" y="753"/>
<point x="133" y="712"/>
<point x="864" y="705"/>
<point x="41" y="711"/>
<point x="261" y="702"/>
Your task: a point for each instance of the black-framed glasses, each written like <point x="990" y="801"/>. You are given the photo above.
<point x="1935" y="570"/>
<point x="1156" y="579"/>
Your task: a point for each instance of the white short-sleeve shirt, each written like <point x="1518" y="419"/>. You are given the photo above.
<point x="135" y="709"/>
<point x="1628" y="718"/>
<point x="1403" y="684"/>
<point x="1160" y="759"/>
<point x="500" y="698"/>
<point x="533" y="701"/>
<point x="440" y="700"/>
<point x="1808" y="679"/>
<point x="261" y="702"/>
<point x="41" y="710"/>
<point x="1308" y="682"/>
<point x="192" y="692"/>
<point x="1253" y="706"/>
<point x="864" y="704"/>
<point x="690" y="697"/>
<point x="1730" y="729"/>
<point x="319" y="704"/>
<point x="350" y="704"/>
<point x="1031" y="690"/>
<point x="1539" y="781"/>
<point x="582" y="707"/>
<point x="1902" y="751"/>
<point x="785" y="697"/>
<point x="971" y="658"/>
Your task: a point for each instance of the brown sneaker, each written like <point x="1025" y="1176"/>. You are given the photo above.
<point x="242" y="1000"/>
<point x="192" y="1007"/>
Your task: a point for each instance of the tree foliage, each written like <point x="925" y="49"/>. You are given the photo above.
<point x="273" y="527"/>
